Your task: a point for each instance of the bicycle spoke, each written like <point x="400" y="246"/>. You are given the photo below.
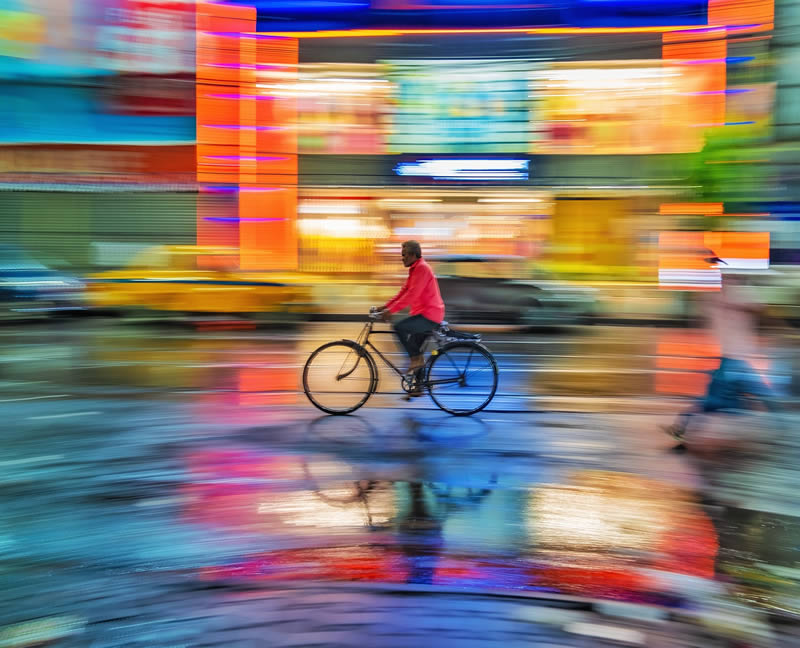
<point x="463" y="378"/>
<point x="469" y="357"/>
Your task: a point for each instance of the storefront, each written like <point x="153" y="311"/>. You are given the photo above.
<point x="578" y="233"/>
<point x="340" y="145"/>
<point x="342" y="232"/>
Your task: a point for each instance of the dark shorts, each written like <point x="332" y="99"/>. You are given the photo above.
<point x="731" y="383"/>
<point x="412" y="332"/>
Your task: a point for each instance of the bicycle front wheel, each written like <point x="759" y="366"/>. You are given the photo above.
<point x="462" y="378"/>
<point x="339" y="377"/>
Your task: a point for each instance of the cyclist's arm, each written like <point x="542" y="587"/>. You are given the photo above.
<point x="400" y="298"/>
<point x="411" y="291"/>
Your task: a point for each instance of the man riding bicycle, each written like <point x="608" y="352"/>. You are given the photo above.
<point x="420" y="293"/>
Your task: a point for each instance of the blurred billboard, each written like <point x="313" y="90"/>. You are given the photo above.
<point x="49" y="38"/>
<point x="683" y="257"/>
<point x="341" y="107"/>
<point x="502" y="106"/>
<point x="460" y="106"/>
<point x="619" y="107"/>
<point x="26" y="117"/>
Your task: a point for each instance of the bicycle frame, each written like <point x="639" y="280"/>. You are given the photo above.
<point x="364" y="342"/>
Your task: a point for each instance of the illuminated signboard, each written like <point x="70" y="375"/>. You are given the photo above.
<point x="620" y="107"/>
<point x="26" y="117"/>
<point x="467" y="169"/>
<point x="341" y="108"/>
<point x="683" y="264"/>
<point x="95" y="37"/>
<point x="153" y="36"/>
<point x="460" y="106"/>
<point x="492" y="106"/>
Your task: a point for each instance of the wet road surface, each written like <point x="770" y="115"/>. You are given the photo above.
<point x="166" y="487"/>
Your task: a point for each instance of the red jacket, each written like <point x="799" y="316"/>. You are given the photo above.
<point x="420" y="292"/>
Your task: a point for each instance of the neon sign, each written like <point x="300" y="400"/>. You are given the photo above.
<point x="465" y="169"/>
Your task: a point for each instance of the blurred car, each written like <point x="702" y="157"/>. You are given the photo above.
<point x="28" y="288"/>
<point x="191" y="279"/>
<point x="499" y="289"/>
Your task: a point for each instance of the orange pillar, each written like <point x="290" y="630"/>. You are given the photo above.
<point x="246" y="137"/>
<point x="218" y="96"/>
<point x="268" y="197"/>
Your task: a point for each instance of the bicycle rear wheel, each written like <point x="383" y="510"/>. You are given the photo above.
<point x="462" y="378"/>
<point x="339" y="377"/>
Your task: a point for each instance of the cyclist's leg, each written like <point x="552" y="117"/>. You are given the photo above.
<point x="417" y="338"/>
<point x="401" y="330"/>
<point x="412" y="332"/>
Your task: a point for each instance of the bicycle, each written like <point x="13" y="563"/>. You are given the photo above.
<point x="460" y="374"/>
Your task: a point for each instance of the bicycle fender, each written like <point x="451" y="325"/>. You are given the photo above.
<point x="361" y="349"/>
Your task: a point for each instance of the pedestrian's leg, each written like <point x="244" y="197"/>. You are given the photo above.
<point x="749" y="382"/>
<point x="708" y="403"/>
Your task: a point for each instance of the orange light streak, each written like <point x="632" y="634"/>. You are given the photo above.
<point x="689" y="209"/>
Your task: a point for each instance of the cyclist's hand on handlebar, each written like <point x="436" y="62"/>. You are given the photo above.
<point x="381" y="314"/>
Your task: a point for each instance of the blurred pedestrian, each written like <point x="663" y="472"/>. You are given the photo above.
<point x="731" y="315"/>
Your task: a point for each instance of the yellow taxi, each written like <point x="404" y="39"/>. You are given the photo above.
<point x="197" y="279"/>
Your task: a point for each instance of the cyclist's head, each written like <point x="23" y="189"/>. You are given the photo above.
<point x="411" y="252"/>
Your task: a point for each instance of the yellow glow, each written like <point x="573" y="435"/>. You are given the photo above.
<point x="342" y="228"/>
<point x="604" y="510"/>
<point x="392" y="201"/>
<point x="509" y="200"/>
<point x="334" y="508"/>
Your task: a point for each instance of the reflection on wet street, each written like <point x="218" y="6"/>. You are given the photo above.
<point x="179" y="483"/>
